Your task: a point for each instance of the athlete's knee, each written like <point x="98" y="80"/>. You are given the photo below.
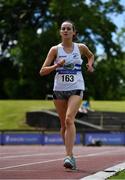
<point x="69" y="120"/>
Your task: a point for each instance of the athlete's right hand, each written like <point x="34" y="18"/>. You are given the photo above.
<point x="61" y="63"/>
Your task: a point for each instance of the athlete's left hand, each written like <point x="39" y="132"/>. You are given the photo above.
<point x="89" y="67"/>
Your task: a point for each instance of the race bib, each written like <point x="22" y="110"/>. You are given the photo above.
<point x="67" y="78"/>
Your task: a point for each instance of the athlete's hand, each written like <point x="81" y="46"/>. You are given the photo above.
<point x="61" y="63"/>
<point x="89" y="67"/>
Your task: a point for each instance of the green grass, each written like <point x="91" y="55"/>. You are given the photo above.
<point x="12" y="112"/>
<point x="115" y="106"/>
<point x="118" y="176"/>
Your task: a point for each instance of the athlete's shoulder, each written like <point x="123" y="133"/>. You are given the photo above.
<point x="54" y="48"/>
<point x="83" y="48"/>
<point x="81" y="45"/>
<point x="53" y="51"/>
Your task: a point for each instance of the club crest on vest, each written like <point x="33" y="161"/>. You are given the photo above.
<point x="68" y="66"/>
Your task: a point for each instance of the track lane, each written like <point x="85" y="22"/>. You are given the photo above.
<point x="46" y="162"/>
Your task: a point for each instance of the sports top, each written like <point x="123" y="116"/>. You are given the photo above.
<point x="69" y="77"/>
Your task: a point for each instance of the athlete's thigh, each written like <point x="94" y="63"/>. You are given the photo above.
<point x="61" y="108"/>
<point x="73" y="105"/>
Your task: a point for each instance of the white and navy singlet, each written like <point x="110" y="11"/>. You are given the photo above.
<point x="69" y="77"/>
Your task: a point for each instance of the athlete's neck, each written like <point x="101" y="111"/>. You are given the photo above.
<point x="68" y="47"/>
<point x="67" y="44"/>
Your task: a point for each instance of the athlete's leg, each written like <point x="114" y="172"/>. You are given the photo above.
<point x="61" y="108"/>
<point x="70" y="132"/>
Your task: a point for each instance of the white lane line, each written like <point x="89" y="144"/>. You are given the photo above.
<point x="46" y="154"/>
<point x="29" y="164"/>
<point x="28" y="155"/>
<point x="13" y="153"/>
<point x="103" y="175"/>
<point x="53" y="160"/>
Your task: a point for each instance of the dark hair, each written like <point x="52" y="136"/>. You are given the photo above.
<point x="69" y="21"/>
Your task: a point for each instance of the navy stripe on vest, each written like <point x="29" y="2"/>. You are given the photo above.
<point x="65" y="71"/>
<point x="78" y="65"/>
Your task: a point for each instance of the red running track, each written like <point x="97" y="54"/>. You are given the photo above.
<point x="46" y="162"/>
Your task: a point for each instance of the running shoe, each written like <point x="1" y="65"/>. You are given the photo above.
<point x="74" y="163"/>
<point x="69" y="162"/>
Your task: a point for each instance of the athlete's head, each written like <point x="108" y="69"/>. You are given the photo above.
<point x="67" y="29"/>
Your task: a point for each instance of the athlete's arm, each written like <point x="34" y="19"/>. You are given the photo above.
<point x="84" y="50"/>
<point x="47" y="68"/>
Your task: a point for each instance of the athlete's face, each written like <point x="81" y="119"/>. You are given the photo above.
<point x="66" y="30"/>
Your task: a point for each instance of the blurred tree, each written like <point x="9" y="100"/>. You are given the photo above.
<point x="120" y="39"/>
<point x="28" y="28"/>
<point x="109" y="77"/>
<point x="8" y="73"/>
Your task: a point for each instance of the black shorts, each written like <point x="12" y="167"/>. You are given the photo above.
<point x="64" y="95"/>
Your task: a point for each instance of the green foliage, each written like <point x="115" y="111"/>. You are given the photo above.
<point x="110" y="76"/>
<point x="8" y="73"/>
<point x="26" y="49"/>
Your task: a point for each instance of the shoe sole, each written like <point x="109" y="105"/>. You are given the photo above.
<point x="71" y="170"/>
<point x="68" y="165"/>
